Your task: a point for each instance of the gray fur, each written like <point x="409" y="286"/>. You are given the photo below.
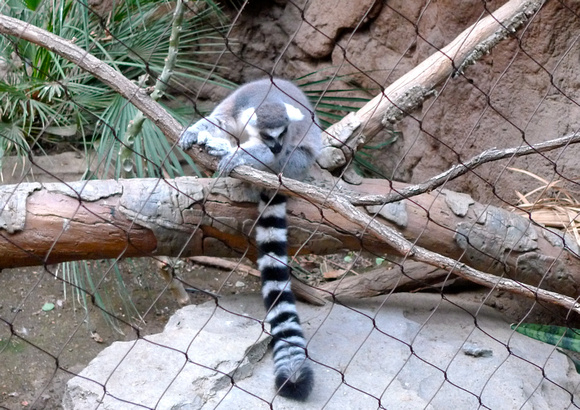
<point x="271" y="115"/>
<point x="272" y="127"/>
<point x="231" y="121"/>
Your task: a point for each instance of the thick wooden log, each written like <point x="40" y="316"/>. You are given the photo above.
<point x="48" y="223"/>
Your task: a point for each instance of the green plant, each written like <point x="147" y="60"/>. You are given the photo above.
<point x="332" y="104"/>
<point x="96" y="280"/>
<point x="566" y="339"/>
<point x="46" y="100"/>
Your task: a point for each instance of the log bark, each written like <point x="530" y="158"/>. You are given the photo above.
<point x="407" y="276"/>
<point x="52" y="222"/>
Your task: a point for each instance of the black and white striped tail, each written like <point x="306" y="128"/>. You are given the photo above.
<point x="294" y="377"/>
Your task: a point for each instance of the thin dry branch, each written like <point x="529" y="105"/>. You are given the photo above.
<point x="410" y="91"/>
<point x="489" y="155"/>
<point x="225" y="264"/>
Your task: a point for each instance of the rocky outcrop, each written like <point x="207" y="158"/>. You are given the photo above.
<point x="411" y="352"/>
<point x="321" y="29"/>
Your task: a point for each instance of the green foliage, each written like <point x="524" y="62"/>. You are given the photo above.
<point x="559" y="336"/>
<point x="566" y="339"/>
<point x="12" y="345"/>
<point x="47" y="100"/>
<point x="102" y="281"/>
<point x="349" y="257"/>
<point x="332" y="104"/>
<point x="363" y="165"/>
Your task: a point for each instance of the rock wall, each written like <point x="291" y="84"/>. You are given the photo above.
<point x="522" y="92"/>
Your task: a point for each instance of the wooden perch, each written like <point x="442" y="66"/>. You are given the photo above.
<point x="47" y="223"/>
<point x="51" y="222"/>
<point x="410" y="91"/>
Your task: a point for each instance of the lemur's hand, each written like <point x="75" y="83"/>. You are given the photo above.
<point x="190" y="136"/>
<point x="232" y="160"/>
<point x="215" y="146"/>
<point x="206" y="133"/>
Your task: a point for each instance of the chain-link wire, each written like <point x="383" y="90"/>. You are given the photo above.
<point x="442" y="208"/>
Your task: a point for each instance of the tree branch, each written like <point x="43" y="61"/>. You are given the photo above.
<point x="410" y="91"/>
<point x="126" y="152"/>
<point x="489" y="155"/>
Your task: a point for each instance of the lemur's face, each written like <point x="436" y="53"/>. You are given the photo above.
<point x="268" y="124"/>
<point x="274" y="138"/>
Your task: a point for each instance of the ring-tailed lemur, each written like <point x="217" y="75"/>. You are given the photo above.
<point x="274" y="129"/>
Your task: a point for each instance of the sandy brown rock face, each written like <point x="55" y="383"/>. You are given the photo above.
<point x="325" y="22"/>
<point x="522" y="92"/>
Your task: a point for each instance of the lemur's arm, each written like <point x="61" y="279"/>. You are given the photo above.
<point x="214" y="129"/>
<point x="214" y="133"/>
<point x="253" y="153"/>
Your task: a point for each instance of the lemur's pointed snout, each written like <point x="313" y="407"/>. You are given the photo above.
<point x="276" y="148"/>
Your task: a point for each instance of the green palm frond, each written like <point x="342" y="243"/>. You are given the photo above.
<point x="47" y="97"/>
<point x="566" y="340"/>
<point x="563" y="337"/>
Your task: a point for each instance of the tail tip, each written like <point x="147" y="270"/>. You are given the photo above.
<point x="297" y="386"/>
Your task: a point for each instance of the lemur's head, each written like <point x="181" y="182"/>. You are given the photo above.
<point x="269" y="123"/>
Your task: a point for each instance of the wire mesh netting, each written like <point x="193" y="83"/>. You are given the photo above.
<point x="433" y="246"/>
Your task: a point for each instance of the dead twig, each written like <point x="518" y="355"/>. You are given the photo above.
<point x="490" y="155"/>
<point x="225" y="264"/>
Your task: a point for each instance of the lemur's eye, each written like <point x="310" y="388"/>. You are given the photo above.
<point x="266" y="137"/>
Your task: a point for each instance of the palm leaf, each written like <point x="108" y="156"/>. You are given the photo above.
<point x="563" y="337"/>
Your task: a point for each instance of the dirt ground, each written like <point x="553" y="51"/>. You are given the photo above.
<point x="41" y="349"/>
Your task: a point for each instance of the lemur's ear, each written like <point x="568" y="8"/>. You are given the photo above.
<point x="294" y="113"/>
<point x="248" y="116"/>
